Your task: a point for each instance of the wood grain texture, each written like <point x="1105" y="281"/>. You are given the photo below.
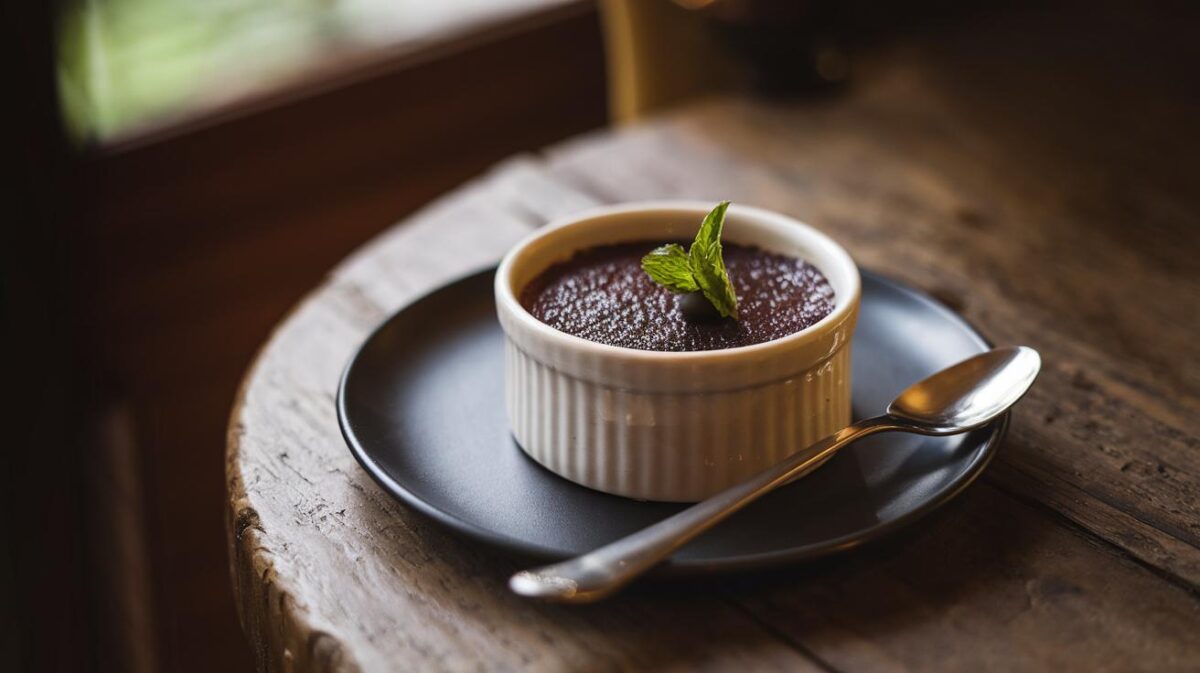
<point x="980" y="178"/>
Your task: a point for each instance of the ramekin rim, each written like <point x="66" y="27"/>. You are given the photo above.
<point x="842" y="310"/>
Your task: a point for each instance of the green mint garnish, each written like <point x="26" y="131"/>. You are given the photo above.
<point x="701" y="268"/>
<point x="670" y="267"/>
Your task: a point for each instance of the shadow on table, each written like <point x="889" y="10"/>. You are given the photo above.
<point x="970" y="552"/>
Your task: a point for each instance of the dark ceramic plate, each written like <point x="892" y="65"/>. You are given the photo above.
<point x="421" y="406"/>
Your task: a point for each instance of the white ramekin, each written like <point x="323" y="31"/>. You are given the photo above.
<point x="672" y="426"/>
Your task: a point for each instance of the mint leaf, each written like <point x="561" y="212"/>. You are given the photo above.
<point x="707" y="265"/>
<point x="668" y="265"/>
<point x="701" y="268"/>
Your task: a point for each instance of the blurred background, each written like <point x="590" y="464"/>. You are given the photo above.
<point x="187" y="171"/>
<point x="181" y="172"/>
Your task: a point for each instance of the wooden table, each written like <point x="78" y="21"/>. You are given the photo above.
<point x="1043" y="198"/>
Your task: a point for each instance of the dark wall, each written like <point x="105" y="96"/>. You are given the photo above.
<point x="43" y="576"/>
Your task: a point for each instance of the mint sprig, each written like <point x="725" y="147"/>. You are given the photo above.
<point x="701" y="268"/>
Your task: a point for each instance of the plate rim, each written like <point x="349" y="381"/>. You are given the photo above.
<point x="673" y="566"/>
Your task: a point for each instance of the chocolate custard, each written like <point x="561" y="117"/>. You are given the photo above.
<point x="602" y="294"/>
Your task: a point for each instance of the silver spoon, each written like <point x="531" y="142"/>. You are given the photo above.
<point x="957" y="399"/>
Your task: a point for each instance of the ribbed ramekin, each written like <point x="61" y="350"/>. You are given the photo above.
<point x="672" y="426"/>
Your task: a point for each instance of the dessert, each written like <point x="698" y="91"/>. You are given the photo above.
<point x="602" y="294"/>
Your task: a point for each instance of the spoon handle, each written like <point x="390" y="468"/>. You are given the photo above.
<point x="600" y="572"/>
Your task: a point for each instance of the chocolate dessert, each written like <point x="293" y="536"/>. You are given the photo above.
<point x="603" y="294"/>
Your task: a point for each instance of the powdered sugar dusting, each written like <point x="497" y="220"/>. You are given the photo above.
<point x="603" y="295"/>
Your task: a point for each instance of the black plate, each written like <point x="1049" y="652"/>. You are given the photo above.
<point x="421" y="406"/>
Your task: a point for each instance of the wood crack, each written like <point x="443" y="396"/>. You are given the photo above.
<point x="779" y="634"/>
<point x="1188" y="582"/>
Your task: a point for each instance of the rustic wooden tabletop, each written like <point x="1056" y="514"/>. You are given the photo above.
<point x="1044" y="198"/>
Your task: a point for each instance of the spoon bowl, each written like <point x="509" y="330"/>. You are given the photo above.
<point x="969" y="394"/>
